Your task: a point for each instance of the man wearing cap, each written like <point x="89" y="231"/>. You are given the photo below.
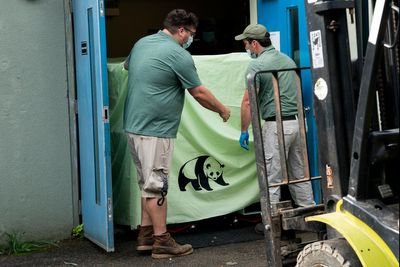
<point x="257" y="42"/>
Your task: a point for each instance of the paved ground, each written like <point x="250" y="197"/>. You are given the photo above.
<point x="223" y="241"/>
<point x="84" y="253"/>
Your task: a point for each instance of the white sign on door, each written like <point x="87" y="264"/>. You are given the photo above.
<point x="276" y="40"/>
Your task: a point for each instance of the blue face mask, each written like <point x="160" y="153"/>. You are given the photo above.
<point x="188" y="42"/>
<point x="251" y="54"/>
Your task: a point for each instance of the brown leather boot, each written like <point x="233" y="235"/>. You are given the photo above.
<point x="165" y="247"/>
<point x="145" y="238"/>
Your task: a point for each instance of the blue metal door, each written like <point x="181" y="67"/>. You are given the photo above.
<point x="288" y="17"/>
<point x="93" y="121"/>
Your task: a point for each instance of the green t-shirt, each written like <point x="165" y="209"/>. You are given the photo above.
<point x="272" y="59"/>
<point x="159" y="72"/>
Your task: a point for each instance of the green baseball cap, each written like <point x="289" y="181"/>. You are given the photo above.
<point x="253" y="31"/>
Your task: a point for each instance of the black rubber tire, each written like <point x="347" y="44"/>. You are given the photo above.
<point x="328" y="253"/>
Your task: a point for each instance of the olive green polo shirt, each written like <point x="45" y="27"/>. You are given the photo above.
<point x="159" y="72"/>
<point x="272" y="59"/>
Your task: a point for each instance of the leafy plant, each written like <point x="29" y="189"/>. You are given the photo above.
<point x="77" y="231"/>
<point x="15" y="246"/>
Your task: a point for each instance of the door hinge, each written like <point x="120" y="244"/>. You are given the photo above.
<point x="101" y="8"/>
<point x="109" y="209"/>
<point x="106" y="118"/>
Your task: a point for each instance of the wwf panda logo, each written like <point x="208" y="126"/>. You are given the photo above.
<point x="199" y="171"/>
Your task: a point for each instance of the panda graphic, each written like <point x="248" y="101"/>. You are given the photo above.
<point x="199" y="171"/>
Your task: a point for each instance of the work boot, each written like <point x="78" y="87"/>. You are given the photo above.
<point x="145" y="238"/>
<point x="165" y="247"/>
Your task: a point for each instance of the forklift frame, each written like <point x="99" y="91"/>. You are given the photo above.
<point x="370" y="226"/>
<point x="271" y="214"/>
<point x="345" y="114"/>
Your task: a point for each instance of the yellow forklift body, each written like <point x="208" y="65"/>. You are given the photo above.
<point x="369" y="246"/>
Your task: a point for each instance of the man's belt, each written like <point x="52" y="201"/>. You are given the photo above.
<point x="284" y="118"/>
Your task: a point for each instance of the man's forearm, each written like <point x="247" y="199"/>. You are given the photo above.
<point x="245" y="115"/>
<point x="245" y="118"/>
<point x="208" y="100"/>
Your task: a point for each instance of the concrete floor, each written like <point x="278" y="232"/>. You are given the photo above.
<point x="84" y="253"/>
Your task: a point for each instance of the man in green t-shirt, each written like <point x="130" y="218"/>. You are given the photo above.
<point x="159" y="72"/>
<point x="257" y="42"/>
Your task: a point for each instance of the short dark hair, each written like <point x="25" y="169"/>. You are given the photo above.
<point x="180" y="18"/>
<point x="265" y="42"/>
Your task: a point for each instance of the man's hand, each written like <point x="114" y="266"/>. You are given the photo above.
<point x="244" y="140"/>
<point x="225" y="114"/>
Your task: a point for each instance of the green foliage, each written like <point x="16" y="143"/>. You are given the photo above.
<point x="15" y="246"/>
<point x="77" y="231"/>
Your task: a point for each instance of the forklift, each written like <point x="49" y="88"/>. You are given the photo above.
<point x="356" y="108"/>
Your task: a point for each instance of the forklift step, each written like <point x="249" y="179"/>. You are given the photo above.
<point x="286" y="213"/>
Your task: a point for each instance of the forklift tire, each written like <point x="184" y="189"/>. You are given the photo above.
<point x="328" y="253"/>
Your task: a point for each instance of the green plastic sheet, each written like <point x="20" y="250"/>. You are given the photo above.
<point x="201" y="134"/>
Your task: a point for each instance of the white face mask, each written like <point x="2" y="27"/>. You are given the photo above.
<point x="251" y="54"/>
<point x="188" y="42"/>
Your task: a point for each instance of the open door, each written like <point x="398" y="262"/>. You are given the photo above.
<point x="93" y="121"/>
<point x="286" y="21"/>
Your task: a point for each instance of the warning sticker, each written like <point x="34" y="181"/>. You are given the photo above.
<point x="316" y="49"/>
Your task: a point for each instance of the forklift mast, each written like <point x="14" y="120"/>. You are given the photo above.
<point x="356" y="103"/>
<point x="334" y="98"/>
<point x="356" y="107"/>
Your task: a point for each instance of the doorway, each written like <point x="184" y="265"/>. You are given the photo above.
<point x="219" y="21"/>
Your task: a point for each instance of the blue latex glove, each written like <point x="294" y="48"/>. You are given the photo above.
<point x="244" y="140"/>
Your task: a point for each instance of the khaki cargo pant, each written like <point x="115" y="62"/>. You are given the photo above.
<point x="153" y="158"/>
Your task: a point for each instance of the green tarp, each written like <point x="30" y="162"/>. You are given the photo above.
<point x="208" y="146"/>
